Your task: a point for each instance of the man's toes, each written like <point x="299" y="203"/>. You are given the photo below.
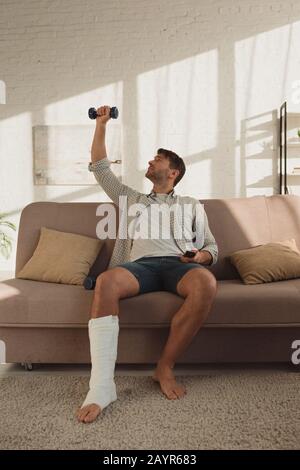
<point x="78" y="413"/>
<point x="171" y="394"/>
<point x="89" y="413"/>
<point x="82" y="413"/>
<point x="176" y="392"/>
<point x="91" y="416"/>
<point x="180" y="391"/>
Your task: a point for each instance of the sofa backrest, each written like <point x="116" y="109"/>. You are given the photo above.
<point x="73" y="217"/>
<point x="241" y="223"/>
<point x="236" y="224"/>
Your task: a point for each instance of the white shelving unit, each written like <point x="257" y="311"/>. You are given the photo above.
<point x="289" y="151"/>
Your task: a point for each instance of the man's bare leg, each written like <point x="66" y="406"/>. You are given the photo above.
<point x="111" y="286"/>
<point x="198" y="287"/>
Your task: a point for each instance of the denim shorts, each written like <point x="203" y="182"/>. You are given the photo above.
<point x="159" y="273"/>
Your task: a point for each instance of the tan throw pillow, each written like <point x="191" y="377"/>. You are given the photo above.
<point x="291" y="243"/>
<point x="61" y="257"/>
<point x="274" y="261"/>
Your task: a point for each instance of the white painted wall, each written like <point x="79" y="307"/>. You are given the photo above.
<point x="203" y="78"/>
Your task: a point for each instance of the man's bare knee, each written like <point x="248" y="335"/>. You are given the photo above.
<point x="117" y="282"/>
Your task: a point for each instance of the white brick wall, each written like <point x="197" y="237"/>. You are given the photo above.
<point x="191" y="75"/>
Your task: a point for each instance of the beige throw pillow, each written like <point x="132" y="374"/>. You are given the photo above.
<point x="274" y="261"/>
<point x="61" y="257"/>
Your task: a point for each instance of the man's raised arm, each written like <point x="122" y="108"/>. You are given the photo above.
<point x="100" y="165"/>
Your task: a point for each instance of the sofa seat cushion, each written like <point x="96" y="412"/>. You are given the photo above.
<point x="235" y="304"/>
<point x="267" y="303"/>
<point x="25" y="302"/>
<point x="33" y="303"/>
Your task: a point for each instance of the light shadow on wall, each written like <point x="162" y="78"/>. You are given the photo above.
<point x="259" y="168"/>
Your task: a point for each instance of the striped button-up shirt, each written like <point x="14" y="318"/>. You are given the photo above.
<point x="203" y="240"/>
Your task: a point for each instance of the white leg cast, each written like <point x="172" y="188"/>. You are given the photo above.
<point x="103" y="334"/>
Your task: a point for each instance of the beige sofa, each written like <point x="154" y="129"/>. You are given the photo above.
<point x="44" y="322"/>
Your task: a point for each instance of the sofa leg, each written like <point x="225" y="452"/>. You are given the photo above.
<point x="27" y="365"/>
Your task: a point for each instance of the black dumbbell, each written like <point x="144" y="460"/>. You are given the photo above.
<point x="89" y="283"/>
<point x="114" y="113"/>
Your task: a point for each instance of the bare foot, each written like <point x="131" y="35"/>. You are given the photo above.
<point x="88" y="413"/>
<point x="169" y="386"/>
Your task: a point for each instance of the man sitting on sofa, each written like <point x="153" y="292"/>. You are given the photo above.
<point x="140" y="264"/>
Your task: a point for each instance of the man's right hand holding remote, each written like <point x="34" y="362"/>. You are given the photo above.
<point x="201" y="257"/>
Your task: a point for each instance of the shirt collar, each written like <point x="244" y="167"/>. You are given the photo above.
<point x="171" y="193"/>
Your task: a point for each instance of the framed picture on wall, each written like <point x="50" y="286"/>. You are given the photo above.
<point x="62" y="154"/>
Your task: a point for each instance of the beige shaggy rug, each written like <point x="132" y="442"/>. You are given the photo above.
<point x="237" y="411"/>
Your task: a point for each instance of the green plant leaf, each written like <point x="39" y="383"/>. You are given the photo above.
<point x="5" y="245"/>
<point x="8" y="224"/>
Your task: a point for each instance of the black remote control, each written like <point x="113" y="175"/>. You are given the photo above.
<point x="190" y="254"/>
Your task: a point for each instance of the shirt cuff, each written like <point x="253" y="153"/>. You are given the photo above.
<point x="99" y="165"/>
